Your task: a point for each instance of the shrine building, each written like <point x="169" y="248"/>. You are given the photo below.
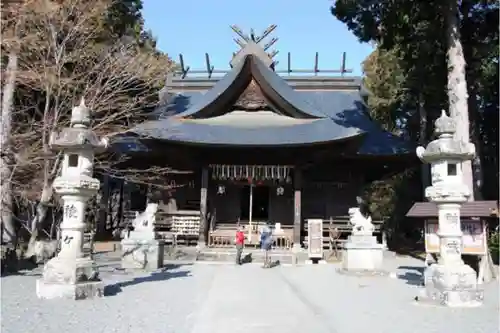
<point x="257" y="145"/>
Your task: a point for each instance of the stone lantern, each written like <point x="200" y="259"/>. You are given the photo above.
<point x="71" y="274"/>
<point x="450" y="282"/>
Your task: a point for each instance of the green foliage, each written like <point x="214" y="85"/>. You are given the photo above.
<point x="494" y="246"/>
<point x="407" y="73"/>
<point x="406" y="77"/>
<point x="384" y="80"/>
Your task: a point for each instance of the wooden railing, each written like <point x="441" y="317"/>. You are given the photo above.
<point x="280" y="242"/>
<point x="341" y="223"/>
<point x="223" y="237"/>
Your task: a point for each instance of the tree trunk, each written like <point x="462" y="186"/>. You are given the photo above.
<point x="457" y="86"/>
<point x="468" y="26"/>
<point x="41" y="211"/>
<point x="115" y="206"/>
<point x="103" y="199"/>
<point x="423" y="136"/>
<point x="42" y="207"/>
<point x="6" y="199"/>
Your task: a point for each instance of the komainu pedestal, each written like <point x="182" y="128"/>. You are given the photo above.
<point x="141" y="249"/>
<point x="362" y="253"/>
<point x="144" y="254"/>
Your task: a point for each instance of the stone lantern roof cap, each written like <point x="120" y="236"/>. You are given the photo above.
<point x="446" y="146"/>
<point x="80" y="115"/>
<point x="79" y="136"/>
<point x="445" y="124"/>
<point x="71" y="138"/>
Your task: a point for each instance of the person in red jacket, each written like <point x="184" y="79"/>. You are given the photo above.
<point x="240" y="244"/>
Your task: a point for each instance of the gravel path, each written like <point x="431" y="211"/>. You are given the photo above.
<point x="206" y="298"/>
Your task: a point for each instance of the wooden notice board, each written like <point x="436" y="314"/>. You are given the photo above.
<point x="473" y="241"/>
<point x="315" y="238"/>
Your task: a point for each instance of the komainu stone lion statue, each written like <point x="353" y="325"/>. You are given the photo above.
<point x="145" y="220"/>
<point x="360" y="225"/>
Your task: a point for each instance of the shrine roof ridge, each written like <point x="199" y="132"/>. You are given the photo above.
<point x="175" y="83"/>
<point x="250" y="43"/>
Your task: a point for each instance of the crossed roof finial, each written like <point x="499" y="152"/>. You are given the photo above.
<point x="250" y="44"/>
<point x="252" y="37"/>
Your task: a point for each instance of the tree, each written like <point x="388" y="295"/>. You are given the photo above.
<point x="420" y="33"/>
<point x="457" y="84"/>
<point x="6" y="212"/>
<point x="68" y="50"/>
<point x="384" y="79"/>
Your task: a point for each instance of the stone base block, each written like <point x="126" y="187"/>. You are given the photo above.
<point x="362" y="257"/>
<point x="78" y="291"/>
<point x="452" y="298"/>
<point x="70" y="278"/>
<point x="69" y="270"/>
<point x="453" y="285"/>
<point x="362" y="240"/>
<point x="142" y="254"/>
<point x="142" y="235"/>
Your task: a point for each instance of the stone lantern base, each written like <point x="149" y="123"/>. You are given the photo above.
<point x="69" y="278"/>
<point x="451" y="285"/>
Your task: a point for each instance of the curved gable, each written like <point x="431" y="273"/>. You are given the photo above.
<point x="226" y="91"/>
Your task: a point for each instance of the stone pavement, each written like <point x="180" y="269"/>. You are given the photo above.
<point x="208" y="297"/>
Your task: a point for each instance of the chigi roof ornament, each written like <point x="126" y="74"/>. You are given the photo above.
<point x="250" y="43"/>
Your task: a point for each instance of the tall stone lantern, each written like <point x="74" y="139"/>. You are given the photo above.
<point x="449" y="282"/>
<point x="71" y="274"/>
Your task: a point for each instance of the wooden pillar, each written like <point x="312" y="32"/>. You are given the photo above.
<point x="127" y="196"/>
<point x="297" y="215"/>
<point x="203" y="206"/>
<point x="103" y="206"/>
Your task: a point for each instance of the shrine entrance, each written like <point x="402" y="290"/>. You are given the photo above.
<point x="254" y="203"/>
<point x="254" y="196"/>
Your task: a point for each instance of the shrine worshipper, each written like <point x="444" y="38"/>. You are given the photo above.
<point x="240" y="243"/>
<point x="266" y="241"/>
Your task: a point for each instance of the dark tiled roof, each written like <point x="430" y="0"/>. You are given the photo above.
<point x="469" y="209"/>
<point x="345" y="108"/>
<point x="203" y="131"/>
<point x="340" y="114"/>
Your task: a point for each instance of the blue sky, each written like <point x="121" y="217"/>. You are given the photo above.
<point x="193" y="27"/>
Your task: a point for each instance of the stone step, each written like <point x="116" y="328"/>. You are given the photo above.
<point x="254" y="257"/>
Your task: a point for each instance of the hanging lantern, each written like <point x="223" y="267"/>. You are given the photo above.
<point x="280" y="190"/>
<point x="221" y="190"/>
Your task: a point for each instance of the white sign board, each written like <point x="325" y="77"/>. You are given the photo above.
<point x="473" y="241"/>
<point x="315" y="238"/>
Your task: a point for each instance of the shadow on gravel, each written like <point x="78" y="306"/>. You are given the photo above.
<point x="247" y="259"/>
<point x="163" y="275"/>
<point x="25" y="267"/>
<point x="175" y="266"/>
<point x="413" y="275"/>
